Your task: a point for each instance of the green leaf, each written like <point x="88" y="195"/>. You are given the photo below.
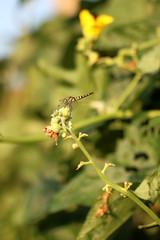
<point x="131" y="19"/>
<point x="149" y="189"/>
<point x="38" y="199"/>
<point x="83" y="189"/>
<point x="142" y="190"/>
<point x="150" y="62"/>
<point x="138" y="149"/>
<point x="155" y="122"/>
<point x="154" y="185"/>
<point x="124" y="11"/>
<point x="102" y="227"/>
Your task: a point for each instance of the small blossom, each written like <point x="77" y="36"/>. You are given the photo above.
<point x="82" y="164"/>
<point x="127" y="185"/>
<point x="64" y="135"/>
<point x="81" y="135"/>
<point x="106" y="166"/>
<point x="67" y="137"/>
<point x="75" y="146"/>
<point x="93" y="26"/>
<point x="106" y="188"/>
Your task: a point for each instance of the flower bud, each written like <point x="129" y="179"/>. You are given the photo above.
<point x="64" y="134"/>
<point x="55" y="127"/>
<point x="55" y="120"/>
<point x="74" y="146"/>
<point x="65" y="112"/>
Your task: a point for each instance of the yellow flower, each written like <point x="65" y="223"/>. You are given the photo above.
<point x="93" y="26"/>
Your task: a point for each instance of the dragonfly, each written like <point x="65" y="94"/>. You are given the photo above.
<point x="68" y="101"/>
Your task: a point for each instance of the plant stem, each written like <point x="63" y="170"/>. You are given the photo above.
<point x="82" y="124"/>
<point x="128" y="91"/>
<point x="149" y="44"/>
<point x="20" y="140"/>
<point x="113" y="115"/>
<point x="147" y="226"/>
<point x="113" y="185"/>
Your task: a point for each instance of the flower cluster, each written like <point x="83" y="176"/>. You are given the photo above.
<point x="61" y="124"/>
<point x="60" y="121"/>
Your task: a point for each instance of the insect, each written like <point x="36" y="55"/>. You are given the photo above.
<point x="68" y="101"/>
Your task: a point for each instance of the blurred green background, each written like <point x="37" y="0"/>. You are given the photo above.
<point x="42" y="196"/>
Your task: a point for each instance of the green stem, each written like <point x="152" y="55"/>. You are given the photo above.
<point x="113" y="185"/>
<point x="82" y="124"/>
<point x="20" y="140"/>
<point x="147" y="226"/>
<point x="107" y="116"/>
<point x="128" y="91"/>
<point x="149" y="44"/>
<point x="113" y="115"/>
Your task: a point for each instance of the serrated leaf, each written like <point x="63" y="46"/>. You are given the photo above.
<point x="150" y="62"/>
<point x="149" y="189"/>
<point x="102" y="227"/>
<point x="142" y="190"/>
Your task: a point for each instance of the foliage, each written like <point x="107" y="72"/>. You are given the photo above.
<point x="42" y="194"/>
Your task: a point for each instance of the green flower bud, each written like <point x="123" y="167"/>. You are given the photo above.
<point x="55" y="127"/>
<point x="64" y="134"/>
<point x="65" y="112"/>
<point x="55" y="120"/>
<point x="74" y="146"/>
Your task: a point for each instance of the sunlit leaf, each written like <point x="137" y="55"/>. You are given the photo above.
<point x="150" y="62"/>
